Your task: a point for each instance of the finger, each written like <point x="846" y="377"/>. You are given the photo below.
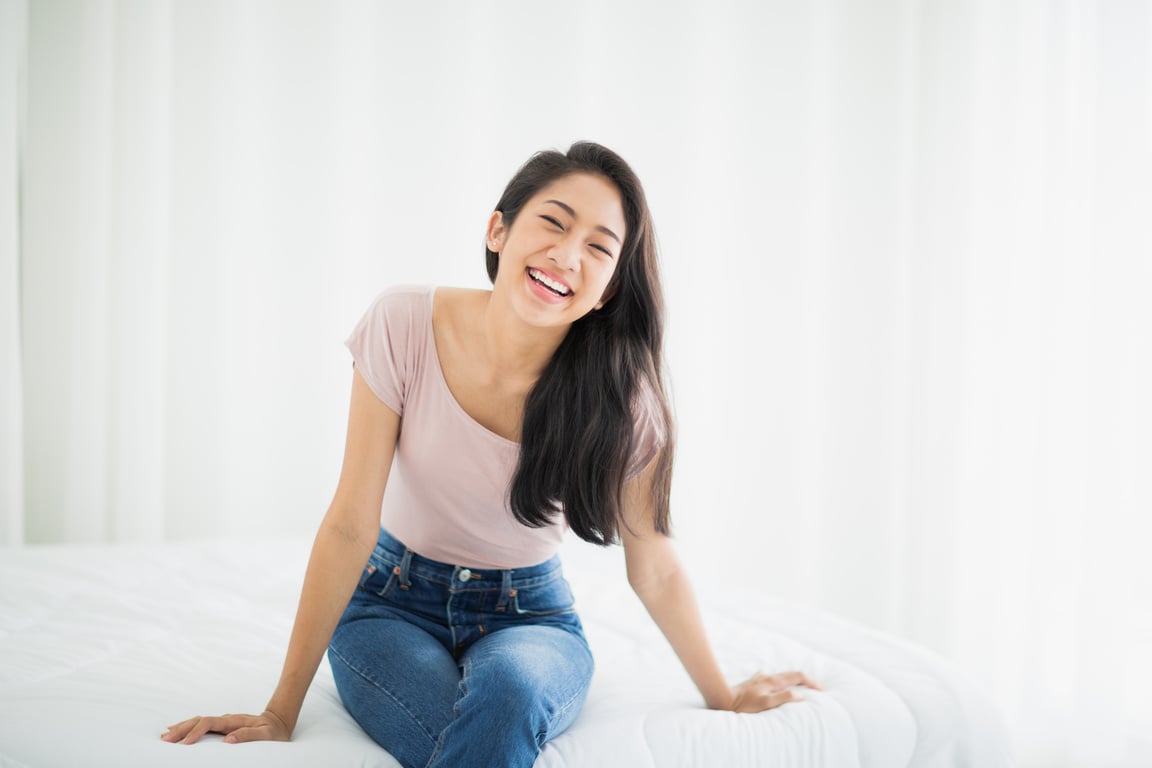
<point x="810" y="683"/>
<point x="202" y="726"/>
<point x="184" y="723"/>
<point x="179" y="730"/>
<point x="783" y="697"/>
<point x="789" y="679"/>
<point x="799" y="678"/>
<point x="210" y="725"/>
<point x="250" y="733"/>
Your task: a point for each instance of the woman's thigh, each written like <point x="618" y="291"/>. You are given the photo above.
<point x="548" y="664"/>
<point x="396" y="680"/>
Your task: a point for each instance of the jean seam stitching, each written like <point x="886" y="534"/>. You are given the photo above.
<point x="439" y="747"/>
<point x="578" y="696"/>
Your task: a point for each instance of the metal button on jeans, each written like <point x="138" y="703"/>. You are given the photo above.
<point x="465" y="575"/>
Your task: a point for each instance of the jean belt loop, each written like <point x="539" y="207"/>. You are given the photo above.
<point x="405" y="562"/>
<point x="505" y="589"/>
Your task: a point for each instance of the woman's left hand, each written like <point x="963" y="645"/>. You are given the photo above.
<point x="762" y="691"/>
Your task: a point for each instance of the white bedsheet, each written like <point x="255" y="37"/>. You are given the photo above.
<point x="102" y="647"/>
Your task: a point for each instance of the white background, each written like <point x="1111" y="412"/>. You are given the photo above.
<point x="907" y="260"/>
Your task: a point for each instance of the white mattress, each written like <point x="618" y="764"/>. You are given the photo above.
<point x="102" y="647"/>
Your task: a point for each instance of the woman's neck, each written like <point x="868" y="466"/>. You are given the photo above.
<point x="513" y="348"/>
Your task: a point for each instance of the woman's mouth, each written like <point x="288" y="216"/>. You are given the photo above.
<point x="554" y="287"/>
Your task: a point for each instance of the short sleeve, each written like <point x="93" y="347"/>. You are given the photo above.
<point x="649" y="435"/>
<point x="386" y="340"/>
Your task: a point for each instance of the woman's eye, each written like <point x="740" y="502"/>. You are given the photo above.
<point x="602" y="250"/>
<point x="553" y="222"/>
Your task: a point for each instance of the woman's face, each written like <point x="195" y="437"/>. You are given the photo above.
<point x="558" y="256"/>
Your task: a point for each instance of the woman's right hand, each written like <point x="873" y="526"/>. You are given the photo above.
<point x="236" y="728"/>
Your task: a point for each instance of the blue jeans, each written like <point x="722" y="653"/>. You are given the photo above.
<point x="449" y="666"/>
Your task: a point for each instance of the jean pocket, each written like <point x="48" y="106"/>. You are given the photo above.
<point x="378" y="577"/>
<point x="551" y="599"/>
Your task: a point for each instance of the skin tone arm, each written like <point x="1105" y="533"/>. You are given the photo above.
<point x="659" y="580"/>
<point x="342" y="546"/>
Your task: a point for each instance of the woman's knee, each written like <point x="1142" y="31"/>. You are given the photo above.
<point x="538" y="677"/>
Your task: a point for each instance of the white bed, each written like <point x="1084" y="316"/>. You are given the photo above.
<point x="102" y="647"/>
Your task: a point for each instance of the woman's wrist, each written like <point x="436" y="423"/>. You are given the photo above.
<point x="284" y="723"/>
<point x="721" y="699"/>
<point x="280" y="708"/>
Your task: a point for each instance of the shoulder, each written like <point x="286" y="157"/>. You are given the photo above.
<point x="458" y="308"/>
<point x="388" y="342"/>
<point x="456" y="300"/>
<point x="397" y="306"/>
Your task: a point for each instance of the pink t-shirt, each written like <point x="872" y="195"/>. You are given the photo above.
<point x="447" y="494"/>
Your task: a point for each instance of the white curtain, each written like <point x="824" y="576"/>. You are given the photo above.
<point x="12" y="56"/>
<point x="908" y="257"/>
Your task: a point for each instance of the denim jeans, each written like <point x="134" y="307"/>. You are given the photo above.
<point x="449" y="666"/>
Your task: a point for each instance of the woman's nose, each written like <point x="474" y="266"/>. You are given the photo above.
<point x="565" y="254"/>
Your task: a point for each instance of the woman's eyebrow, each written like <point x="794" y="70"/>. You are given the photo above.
<point x="568" y="209"/>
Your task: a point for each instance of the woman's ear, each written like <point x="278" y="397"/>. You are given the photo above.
<point x="496" y="231"/>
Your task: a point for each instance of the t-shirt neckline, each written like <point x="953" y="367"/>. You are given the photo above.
<point x="443" y="382"/>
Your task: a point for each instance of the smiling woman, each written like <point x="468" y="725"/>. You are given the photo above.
<point x="483" y="424"/>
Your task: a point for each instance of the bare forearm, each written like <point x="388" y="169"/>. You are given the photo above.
<point x="672" y="604"/>
<point x="655" y="573"/>
<point x="333" y="569"/>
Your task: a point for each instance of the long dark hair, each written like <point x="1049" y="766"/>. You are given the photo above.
<point x="581" y="417"/>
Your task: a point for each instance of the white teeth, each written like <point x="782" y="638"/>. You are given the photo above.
<point x="561" y="289"/>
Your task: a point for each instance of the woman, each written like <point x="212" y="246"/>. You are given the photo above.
<point x="496" y="419"/>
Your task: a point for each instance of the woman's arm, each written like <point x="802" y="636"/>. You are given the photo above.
<point x="659" y="580"/>
<point x="342" y="546"/>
